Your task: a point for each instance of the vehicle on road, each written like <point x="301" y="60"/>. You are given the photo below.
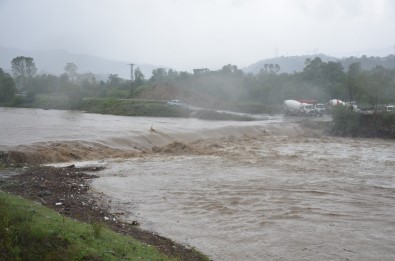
<point x="174" y="102"/>
<point x="293" y="107"/>
<point x="320" y="108"/>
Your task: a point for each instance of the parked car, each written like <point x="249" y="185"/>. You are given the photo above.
<point x="174" y="102"/>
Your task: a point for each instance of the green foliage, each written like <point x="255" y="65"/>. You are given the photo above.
<point x="23" y="69"/>
<point x="97" y="229"/>
<point x="345" y="122"/>
<point x="29" y="231"/>
<point x="7" y="87"/>
<point x="349" y="123"/>
<point x="17" y="101"/>
<point x="139" y="78"/>
<point x="75" y="97"/>
<point x="31" y="96"/>
<point x="71" y="69"/>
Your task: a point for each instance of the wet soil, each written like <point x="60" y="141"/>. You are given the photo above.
<point x="67" y="191"/>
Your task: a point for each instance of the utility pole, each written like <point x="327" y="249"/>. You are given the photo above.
<point x="131" y="72"/>
<point x="131" y="79"/>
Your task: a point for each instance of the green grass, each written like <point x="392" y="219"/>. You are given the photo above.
<point x="133" y="108"/>
<point x="29" y="231"/>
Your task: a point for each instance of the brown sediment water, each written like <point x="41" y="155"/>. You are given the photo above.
<point x="266" y="197"/>
<point x="265" y="190"/>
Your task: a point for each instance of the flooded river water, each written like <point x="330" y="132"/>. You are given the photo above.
<point x="264" y="190"/>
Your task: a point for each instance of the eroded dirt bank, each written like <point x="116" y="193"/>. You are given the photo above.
<point x="66" y="190"/>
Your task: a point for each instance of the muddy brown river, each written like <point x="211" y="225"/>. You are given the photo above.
<point x="263" y="190"/>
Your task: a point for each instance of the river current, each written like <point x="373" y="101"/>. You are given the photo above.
<point x="263" y="190"/>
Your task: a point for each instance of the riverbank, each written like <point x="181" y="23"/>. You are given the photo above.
<point x="347" y="123"/>
<point x="128" y="107"/>
<point x="66" y="190"/>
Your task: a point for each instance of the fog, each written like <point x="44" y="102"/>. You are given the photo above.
<point x="186" y="34"/>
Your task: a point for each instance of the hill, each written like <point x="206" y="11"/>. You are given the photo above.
<point x="53" y="62"/>
<point x="288" y="64"/>
<point x="292" y="64"/>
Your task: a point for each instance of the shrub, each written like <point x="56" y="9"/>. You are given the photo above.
<point x="351" y="123"/>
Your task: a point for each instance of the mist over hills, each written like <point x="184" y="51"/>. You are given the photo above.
<point x="290" y="64"/>
<point x="54" y="61"/>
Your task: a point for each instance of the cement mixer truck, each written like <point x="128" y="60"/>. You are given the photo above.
<point x="293" y="107"/>
<point x="336" y="102"/>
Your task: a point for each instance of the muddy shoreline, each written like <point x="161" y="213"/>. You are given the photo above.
<point x="67" y="191"/>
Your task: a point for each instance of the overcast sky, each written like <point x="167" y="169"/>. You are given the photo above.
<point x="186" y="34"/>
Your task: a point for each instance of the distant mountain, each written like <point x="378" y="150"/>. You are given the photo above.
<point x="292" y="64"/>
<point x="288" y="64"/>
<point x="53" y="62"/>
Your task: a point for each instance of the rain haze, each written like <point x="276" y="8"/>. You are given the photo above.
<point x="238" y="129"/>
<point x="186" y="34"/>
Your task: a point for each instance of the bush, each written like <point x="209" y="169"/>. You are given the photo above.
<point x="345" y="122"/>
<point x="350" y="123"/>
<point x="17" y="100"/>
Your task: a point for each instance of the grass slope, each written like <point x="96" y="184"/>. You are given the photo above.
<point x="29" y="231"/>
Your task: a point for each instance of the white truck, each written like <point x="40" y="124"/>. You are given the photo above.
<point x="293" y="107"/>
<point x="320" y="109"/>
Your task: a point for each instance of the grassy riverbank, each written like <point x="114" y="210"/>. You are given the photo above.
<point x="125" y="107"/>
<point x="29" y="231"/>
<point x="71" y="223"/>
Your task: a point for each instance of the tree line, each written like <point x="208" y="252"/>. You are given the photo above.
<point x="319" y="80"/>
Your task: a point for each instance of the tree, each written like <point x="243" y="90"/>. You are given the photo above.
<point x="87" y="80"/>
<point x="72" y="71"/>
<point x="7" y="87"/>
<point x="377" y="83"/>
<point x="352" y="83"/>
<point x="277" y="68"/>
<point x="159" y="74"/>
<point x="113" y="80"/>
<point x="138" y="77"/>
<point x="23" y="69"/>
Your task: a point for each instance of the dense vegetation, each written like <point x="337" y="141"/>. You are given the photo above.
<point x="368" y="80"/>
<point x="230" y="87"/>
<point x="352" y="124"/>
